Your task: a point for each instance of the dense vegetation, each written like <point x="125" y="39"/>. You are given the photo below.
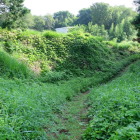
<point x="68" y="63"/>
<point x="136" y="20"/>
<point x="100" y="19"/>
<point x="77" y="54"/>
<point x="11" y="13"/>
<point x="41" y="71"/>
<point x="116" y="118"/>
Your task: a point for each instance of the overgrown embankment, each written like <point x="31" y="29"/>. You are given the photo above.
<point x="114" y="108"/>
<point x="64" y="65"/>
<point x="59" y="57"/>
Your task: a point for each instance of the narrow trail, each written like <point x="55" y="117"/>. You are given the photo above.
<point x="72" y="122"/>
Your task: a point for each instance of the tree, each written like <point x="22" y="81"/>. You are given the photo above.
<point x="119" y="13"/>
<point x="63" y="18"/>
<point x="49" y="22"/>
<point x="137" y="3"/>
<point x="101" y="14"/>
<point x="11" y="11"/>
<point x="39" y="23"/>
<point x="97" y="30"/>
<point x="28" y="20"/>
<point x="84" y="16"/>
<point x="136" y="21"/>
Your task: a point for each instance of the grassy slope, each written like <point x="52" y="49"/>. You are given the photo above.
<point x="28" y="107"/>
<point x="66" y="55"/>
<point x="115" y="108"/>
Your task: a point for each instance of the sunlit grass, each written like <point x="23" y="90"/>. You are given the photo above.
<point x="115" y="109"/>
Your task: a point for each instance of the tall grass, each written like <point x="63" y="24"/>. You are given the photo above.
<point x="11" y="68"/>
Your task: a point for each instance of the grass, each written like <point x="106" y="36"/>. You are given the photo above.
<point x="27" y="107"/>
<point x="72" y="122"/>
<point x="115" y="109"/>
<point x="31" y="107"/>
<point x="10" y="67"/>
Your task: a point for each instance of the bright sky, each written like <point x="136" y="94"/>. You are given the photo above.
<point x="42" y="7"/>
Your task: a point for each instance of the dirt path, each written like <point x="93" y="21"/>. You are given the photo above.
<point x="71" y="124"/>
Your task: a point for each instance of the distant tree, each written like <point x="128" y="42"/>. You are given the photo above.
<point x="28" y="20"/>
<point x="39" y="23"/>
<point x="101" y="14"/>
<point x="111" y="31"/>
<point x="49" y="22"/>
<point x="97" y="30"/>
<point x="119" y="13"/>
<point x="137" y="3"/>
<point x="136" y="21"/>
<point x="104" y="14"/>
<point x="63" y="18"/>
<point x="11" y="12"/>
<point x="84" y="16"/>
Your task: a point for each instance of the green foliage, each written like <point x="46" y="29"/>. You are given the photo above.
<point x="109" y="22"/>
<point x="96" y="30"/>
<point x="10" y="67"/>
<point x="49" y="22"/>
<point x="71" y="63"/>
<point x="29" y="107"/>
<point x="84" y="17"/>
<point x="136" y="21"/>
<point x="63" y="18"/>
<point x="80" y="53"/>
<point x="116" y="118"/>
<point x="84" y="52"/>
<point x="122" y="31"/>
<point x="51" y="34"/>
<point x="101" y="14"/>
<point x="53" y="77"/>
<point x="39" y="23"/>
<point x="11" y="13"/>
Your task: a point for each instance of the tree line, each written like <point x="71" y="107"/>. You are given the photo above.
<point x="99" y="19"/>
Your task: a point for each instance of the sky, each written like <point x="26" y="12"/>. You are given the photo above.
<point x="43" y="7"/>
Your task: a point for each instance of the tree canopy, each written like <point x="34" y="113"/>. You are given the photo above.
<point x="136" y="21"/>
<point x="63" y="18"/>
<point x="84" y="16"/>
<point x="11" y="12"/>
<point x="100" y="19"/>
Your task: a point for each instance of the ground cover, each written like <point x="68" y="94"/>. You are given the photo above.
<point x="115" y="108"/>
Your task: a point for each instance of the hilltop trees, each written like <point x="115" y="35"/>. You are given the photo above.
<point x="136" y="21"/>
<point x="101" y="14"/>
<point x="63" y="18"/>
<point x="49" y="22"/>
<point x="107" y="21"/>
<point x="84" y="16"/>
<point x="11" y="13"/>
<point x="100" y="19"/>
